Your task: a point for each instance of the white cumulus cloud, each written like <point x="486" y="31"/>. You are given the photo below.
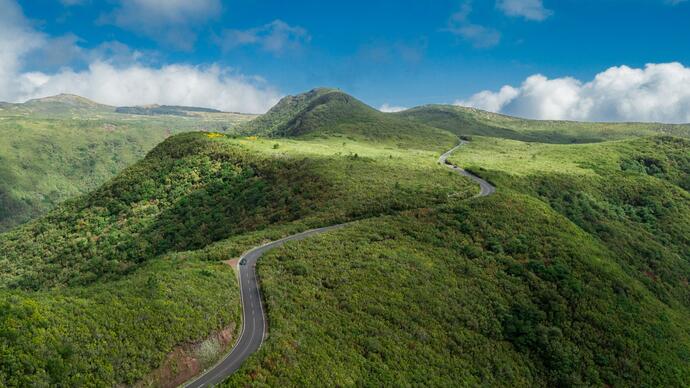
<point x="211" y="86"/>
<point x="657" y="92"/>
<point x="17" y="38"/>
<point x="112" y="74"/>
<point x="391" y="108"/>
<point x="528" y="9"/>
<point x="491" y="101"/>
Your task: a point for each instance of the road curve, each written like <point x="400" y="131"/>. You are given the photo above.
<point x="253" y="319"/>
<point x="485" y="188"/>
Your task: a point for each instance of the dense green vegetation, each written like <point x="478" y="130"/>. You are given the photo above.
<point x="59" y="147"/>
<point x="193" y="190"/>
<point x="470" y="121"/>
<point x="575" y="274"/>
<point x="112" y="332"/>
<point x="497" y="291"/>
<point x="189" y="192"/>
<point x="632" y="195"/>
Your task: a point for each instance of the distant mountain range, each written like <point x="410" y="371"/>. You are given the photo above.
<point x="62" y="104"/>
<point x="153" y="110"/>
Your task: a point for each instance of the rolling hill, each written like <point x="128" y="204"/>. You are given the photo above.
<point x="62" y="105"/>
<point x="630" y="194"/>
<point x="57" y="147"/>
<point x="574" y="274"/>
<point x="159" y="228"/>
<point x="330" y="112"/>
<point x="155" y="110"/>
<point x="470" y="121"/>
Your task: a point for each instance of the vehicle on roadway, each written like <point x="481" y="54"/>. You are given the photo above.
<point x="243" y="261"/>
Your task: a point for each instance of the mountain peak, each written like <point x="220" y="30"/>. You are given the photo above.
<point x="64" y="98"/>
<point x="287" y="114"/>
<point x="331" y="112"/>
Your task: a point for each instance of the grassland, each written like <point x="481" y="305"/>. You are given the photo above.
<point x="575" y="274"/>
<point x="196" y="189"/>
<point x="470" y="121"/>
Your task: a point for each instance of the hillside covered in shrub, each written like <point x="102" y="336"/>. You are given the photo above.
<point x="148" y="241"/>
<point x="56" y="148"/>
<point x="574" y="274"/>
<point x="497" y="291"/>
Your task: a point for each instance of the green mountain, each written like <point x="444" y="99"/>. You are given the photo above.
<point x="57" y="147"/>
<point x="154" y="110"/>
<point x="62" y="105"/>
<point x="143" y="240"/>
<point x="278" y="117"/>
<point x="574" y="274"/>
<point x="469" y="121"/>
<point x="330" y="112"/>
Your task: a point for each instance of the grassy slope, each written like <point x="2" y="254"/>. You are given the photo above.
<point x="56" y="148"/>
<point x="469" y="121"/>
<point x="211" y="194"/>
<point x="631" y="194"/>
<point x="532" y="287"/>
<point x="328" y="112"/>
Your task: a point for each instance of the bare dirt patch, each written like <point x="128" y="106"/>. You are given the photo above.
<point x="183" y="362"/>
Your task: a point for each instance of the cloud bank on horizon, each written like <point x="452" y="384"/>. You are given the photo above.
<point x="114" y="78"/>
<point x="116" y="73"/>
<point x="657" y="92"/>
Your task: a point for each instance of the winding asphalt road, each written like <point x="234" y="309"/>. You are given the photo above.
<point x="486" y="188"/>
<point x="254" y="320"/>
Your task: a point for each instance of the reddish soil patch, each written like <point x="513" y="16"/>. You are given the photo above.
<point x="651" y="275"/>
<point x="231" y="262"/>
<point x="181" y="364"/>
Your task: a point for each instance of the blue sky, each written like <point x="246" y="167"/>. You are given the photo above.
<point x="399" y="53"/>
